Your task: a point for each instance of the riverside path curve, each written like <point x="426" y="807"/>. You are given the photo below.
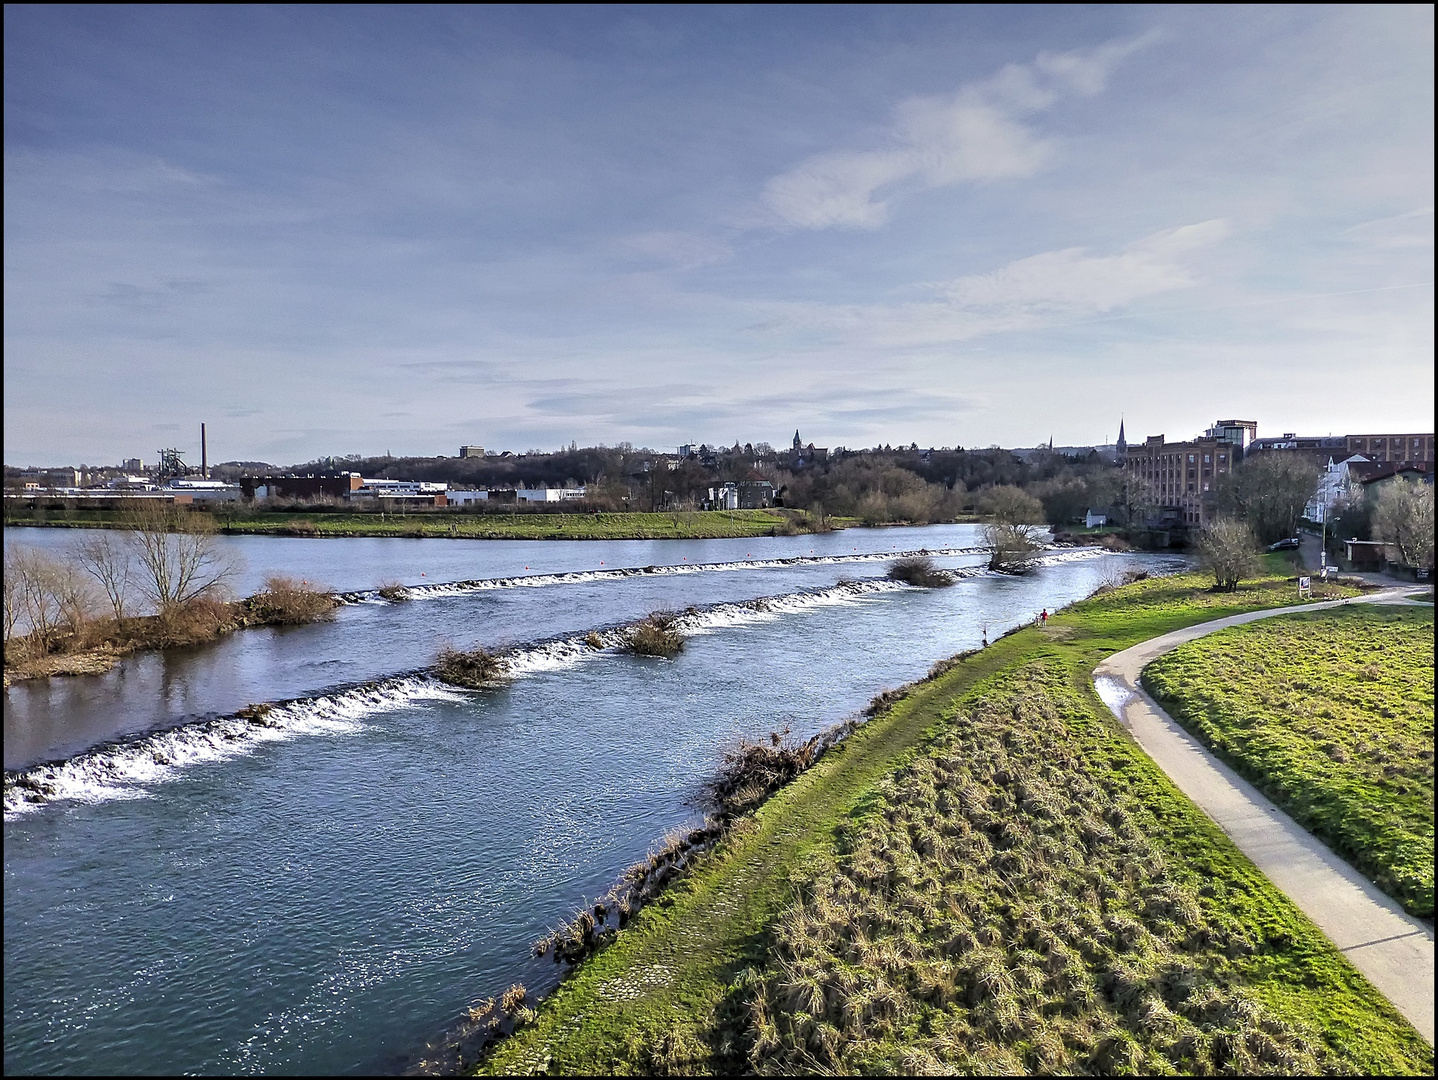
<point x="1392" y="949"/>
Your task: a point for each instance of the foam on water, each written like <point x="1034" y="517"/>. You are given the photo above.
<point x="129" y="770"/>
<point x="575" y="577"/>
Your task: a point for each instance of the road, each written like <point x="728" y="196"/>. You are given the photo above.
<point x="1392" y="949"/>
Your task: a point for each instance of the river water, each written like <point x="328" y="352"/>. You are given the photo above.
<point x="201" y="894"/>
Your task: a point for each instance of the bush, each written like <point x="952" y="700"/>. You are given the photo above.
<point x="752" y="771"/>
<point x="919" y="570"/>
<point x="474" y="669"/>
<point x="657" y="635"/>
<point x="288" y="602"/>
<point x="1228" y="550"/>
<point x="393" y="591"/>
<point x="1015" y="547"/>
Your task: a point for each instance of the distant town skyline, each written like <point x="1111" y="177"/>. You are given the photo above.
<point x="339" y="230"/>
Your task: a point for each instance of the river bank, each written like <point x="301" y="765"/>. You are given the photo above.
<point x="323" y="522"/>
<point x="890" y="909"/>
<point x="319" y="893"/>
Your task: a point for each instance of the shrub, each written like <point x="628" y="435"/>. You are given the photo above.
<point x="1228" y="550"/>
<point x="657" y="635"/>
<point x="919" y="570"/>
<point x="288" y="602"/>
<point x="752" y="771"/>
<point x="474" y="669"/>
<point x="393" y="591"/>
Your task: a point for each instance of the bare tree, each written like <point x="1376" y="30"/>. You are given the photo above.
<point x="14" y="590"/>
<point x="1403" y="517"/>
<point x="43" y="597"/>
<point x="1015" y="547"/>
<point x="1229" y="551"/>
<point x="1009" y="505"/>
<point x="1014" y="535"/>
<point x="178" y="555"/>
<point x="1269" y="491"/>
<point x="108" y="560"/>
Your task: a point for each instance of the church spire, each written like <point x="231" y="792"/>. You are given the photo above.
<point x="1122" y="443"/>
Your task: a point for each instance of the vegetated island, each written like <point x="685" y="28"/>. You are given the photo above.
<point x="990" y="876"/>
<point x="75" y="614"/>
<point x="1329" y="714"/>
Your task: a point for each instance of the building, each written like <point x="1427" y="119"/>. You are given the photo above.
<point x="723" y="497"/>
<point x="1183" y="476"/>
<point x="399" y="493"/>
<point x="755" y="494"/>
<point x="336" y="486"/>
<point x="133" y="465"/>
<point x="1337" y="485"/>
<point x="1386" y="448"/>
<point x="203" y="490"/>
<point x="471" y="451"/>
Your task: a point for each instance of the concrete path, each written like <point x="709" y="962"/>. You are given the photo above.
<point x="1391" y="948"/>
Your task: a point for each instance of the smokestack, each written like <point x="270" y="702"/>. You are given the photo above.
<point x="204" y="456"/>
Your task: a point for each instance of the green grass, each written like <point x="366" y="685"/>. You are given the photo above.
<point x="827" y="933"/>
<point x="453" y="524"/>
<point x="1330" y="714"/>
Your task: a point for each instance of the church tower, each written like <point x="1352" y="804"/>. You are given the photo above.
<point x="1121" y="447"/>
<point x="797" y="444"/>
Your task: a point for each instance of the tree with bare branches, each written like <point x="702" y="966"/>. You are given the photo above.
<point x="110" y="561"/>
<point x="177" y="555"/>
<point x="1229" y="550"/>
<point x="1403" y="517"/>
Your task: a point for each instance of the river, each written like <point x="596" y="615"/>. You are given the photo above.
<point x="199" y="894"/>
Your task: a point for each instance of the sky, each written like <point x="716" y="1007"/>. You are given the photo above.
<point x="358" y="230"/>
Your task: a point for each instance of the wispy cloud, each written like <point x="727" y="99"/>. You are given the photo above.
<point x="1411" y="230"/>
<point x="1040" y="290"/>
<point x="977" y="134"/>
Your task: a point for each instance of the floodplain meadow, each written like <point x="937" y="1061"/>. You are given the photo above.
<point x="1330" y="714"/>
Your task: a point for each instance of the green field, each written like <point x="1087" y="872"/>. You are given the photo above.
<point x="453" y="524"/>
<point x="989" y="876"/>
<point x="1330" y="714"/>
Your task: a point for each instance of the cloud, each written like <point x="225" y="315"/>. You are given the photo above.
<point x="1411" y="230"/>
<point x="679" y="250"/>
<point x="977" y="134"/>
<point x="1030" y="293"/>
<point x="1073" y="282"/>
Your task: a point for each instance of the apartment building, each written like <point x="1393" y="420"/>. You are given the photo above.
<point x="1184" y="475"/>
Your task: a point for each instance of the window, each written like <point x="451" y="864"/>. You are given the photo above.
<point x="1207" y="458"/>
<point x="1191" y="458"/>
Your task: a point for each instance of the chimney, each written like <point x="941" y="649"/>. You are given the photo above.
<point x="204" y="456"/>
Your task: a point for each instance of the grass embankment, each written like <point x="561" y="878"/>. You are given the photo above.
<point x="1330" y="714"/>
<point x="96" y="645"/>
<point x="988" y="876"/>
<point x="457" y="524"/>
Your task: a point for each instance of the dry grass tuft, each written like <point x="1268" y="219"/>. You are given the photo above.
<point x="473" y="670"/>
<point x="656" y="635"/>
<point x="919" y="570"/>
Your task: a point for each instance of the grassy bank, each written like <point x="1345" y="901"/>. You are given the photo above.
<point x="1330" y="714"/>
<point x="458" y="524"/>
<point x="988" y="876"/>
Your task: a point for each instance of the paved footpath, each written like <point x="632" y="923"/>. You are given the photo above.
<point x="1390" y="947"/>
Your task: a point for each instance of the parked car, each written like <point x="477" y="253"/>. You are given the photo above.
<point x="1288" y="543"/>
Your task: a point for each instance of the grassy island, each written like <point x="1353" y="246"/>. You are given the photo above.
<point x="1330" y="714"/>
<point x="988" y="877"/>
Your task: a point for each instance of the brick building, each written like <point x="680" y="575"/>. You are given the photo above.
<point x="1183" y="476"/>
<point x="1385" y="448"/>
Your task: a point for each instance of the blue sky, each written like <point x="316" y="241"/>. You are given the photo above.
<point x="351" y="230"/>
